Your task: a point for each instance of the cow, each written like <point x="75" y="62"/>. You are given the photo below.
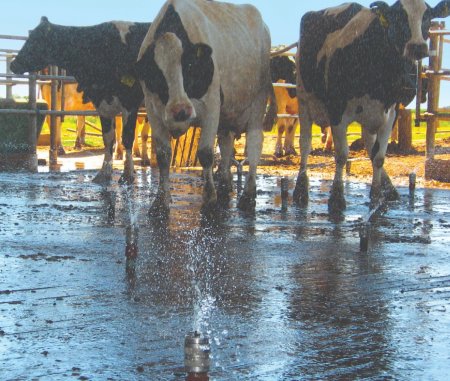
<point x="72" y="100"/>
<point x="101" y="58"/>
<point x="207" y="63"/>
<point x="357" y="64"/>
<point x="283" y="70"/>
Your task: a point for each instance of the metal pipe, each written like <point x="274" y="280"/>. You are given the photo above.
<point x="8" y="37"/>
<point x="196" y="354"/>
<point x="284" y="193"/>
<point x="53" y="153"/>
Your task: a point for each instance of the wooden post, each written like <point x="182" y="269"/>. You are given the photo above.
<point x="419" y="94"/>
<point x="404" y="130"/>
<point x="8" y="71"/>
<point x="433" y="97"/>
<point x="53" y="153"/>
<point x="31" y="159"/>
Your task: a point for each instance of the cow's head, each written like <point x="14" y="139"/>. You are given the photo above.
<point x="177" y="73"/>
<point x="34" y="54"/>
<point x="407" y="23"/>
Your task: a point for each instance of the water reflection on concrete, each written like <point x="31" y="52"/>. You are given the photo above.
<point x="282" y="294"/>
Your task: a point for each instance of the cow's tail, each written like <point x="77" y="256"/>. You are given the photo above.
<point x="271" y="111"/>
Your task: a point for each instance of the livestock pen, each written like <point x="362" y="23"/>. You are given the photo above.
<point x="184" y="148"/>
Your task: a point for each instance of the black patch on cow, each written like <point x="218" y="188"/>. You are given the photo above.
<point x="196" y="61"/>
<point x="368" y="66"/>
<point x="375" y="149"/>
<point x="152" y="75"/>
<point x="96" y="56"/>
<point x="281" y="67"/>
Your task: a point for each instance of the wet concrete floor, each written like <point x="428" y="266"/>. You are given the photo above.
<point x="283" y="295"/>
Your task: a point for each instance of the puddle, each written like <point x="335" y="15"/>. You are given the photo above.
<point x="283" y="294"/>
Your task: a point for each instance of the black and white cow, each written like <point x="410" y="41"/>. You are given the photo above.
<point x="101" y="58"/>
<point x="357" y="64"/>
<point x="207" y="63"/>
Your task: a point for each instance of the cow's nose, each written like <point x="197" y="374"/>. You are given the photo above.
<point x="181" y="113"/>
<point x="417" y="51"/>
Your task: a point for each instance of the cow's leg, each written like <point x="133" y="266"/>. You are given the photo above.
<point x="226" y="144"/>
<point x="129" y="122"/>
<point x="327" y="138"/>
<point x="254" y="141"/>
<point x="59" y="144"/>
<point x="279" y="143"/>
<point x="105" y="173"/>
<point x="80" y="140"/>
<point x="205" y="155"/>
<point x="161" y="138"/>
<point x="300" y="195"/>
<point x="145" y="160"/>
<point x="336" y="203"/>
<point x="289" y="137"/>
<point x="376" y="146"/>
<point x="247" y="201"/>
<point x="119" y="134"/>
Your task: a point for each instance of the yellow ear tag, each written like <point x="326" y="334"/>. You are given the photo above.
<point x="383" y="20"/>
<point x="128" y="80"/>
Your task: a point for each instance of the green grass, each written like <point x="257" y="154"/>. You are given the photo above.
<point x="68" y="137"/>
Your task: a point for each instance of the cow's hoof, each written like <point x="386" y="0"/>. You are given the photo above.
<point x="278" y="154"/>
<point x="78" y="146"/>
<point x="118" y="156"/>
<point x="159" y="210"/>
<point x="388" y="189"/>
<point x="300" y="195"/>
<point x="136" y="154"/>
<point x="102" y="178"/>
<point x="247" y="203"/>
<point x="290" y="151"/>
<point x="145" y="162"/>
<point x="336" y="203"/>
<point x="61" y="151"/>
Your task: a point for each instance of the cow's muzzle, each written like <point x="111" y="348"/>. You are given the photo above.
<point x="416" y="51"/>
<point x="16" y="67"/>
<point x="182" y="112"/>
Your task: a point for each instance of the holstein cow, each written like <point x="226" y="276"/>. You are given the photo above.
<point x="207" y="63"/>
<point x="101" y="58"/>
<point x="283" y="70"/>
<point x="357" y="64"/>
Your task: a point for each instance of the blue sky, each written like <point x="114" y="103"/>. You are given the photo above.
<point x="282" y="17"/>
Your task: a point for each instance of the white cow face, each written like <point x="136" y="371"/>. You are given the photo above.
<point x="178" y="74"/>
<point x="179" y="110"/>
<point x="407" y="23"/>
<point x="35" y="53"/>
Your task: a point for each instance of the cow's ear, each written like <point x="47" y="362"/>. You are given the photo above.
<point x="202" y="51"/>
<point x="382" y="10"/>
<point x="44" y="19"/>
<point x="441" y="10"/>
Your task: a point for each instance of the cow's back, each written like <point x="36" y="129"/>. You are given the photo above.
<point x="315" y="27"/>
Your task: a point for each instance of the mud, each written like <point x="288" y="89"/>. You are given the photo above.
<point x="283" y="294"/>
